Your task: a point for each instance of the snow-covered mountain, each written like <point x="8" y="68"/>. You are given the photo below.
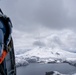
<point x="57" y="73"/>
<point x="52" y="46"/>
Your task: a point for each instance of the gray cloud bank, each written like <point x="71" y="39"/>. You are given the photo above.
<point x="54" y="14"/>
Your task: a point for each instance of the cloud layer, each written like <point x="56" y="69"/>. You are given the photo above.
<point x="38" y="17"/>
<point x="30" y="15"/>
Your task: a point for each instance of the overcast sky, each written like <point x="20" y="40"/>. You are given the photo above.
<point x="31" y="15"/>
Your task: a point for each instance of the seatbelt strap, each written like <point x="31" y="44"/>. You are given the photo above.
<point x="3" y="56"/>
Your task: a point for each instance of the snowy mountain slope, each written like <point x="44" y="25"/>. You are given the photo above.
<point x="57" y="73"/>
<point x="47" y="55"/>
<point x="51" y="46"/>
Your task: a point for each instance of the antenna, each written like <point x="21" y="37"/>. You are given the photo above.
<point x="1" y="11"/>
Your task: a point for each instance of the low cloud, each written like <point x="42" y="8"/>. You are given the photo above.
<point x="63" y="40"/>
